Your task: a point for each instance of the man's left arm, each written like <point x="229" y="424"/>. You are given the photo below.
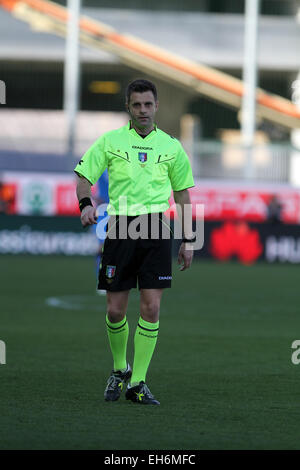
<point x="186" y="253"/>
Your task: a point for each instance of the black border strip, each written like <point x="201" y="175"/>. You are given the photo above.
<point x="147" y="329"/>
<point x="118" y="327"/>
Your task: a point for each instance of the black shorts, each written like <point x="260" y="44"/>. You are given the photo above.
<point x="127" y="260"/>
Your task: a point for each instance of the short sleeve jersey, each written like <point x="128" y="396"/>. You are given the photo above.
<point x="141" y="171"/>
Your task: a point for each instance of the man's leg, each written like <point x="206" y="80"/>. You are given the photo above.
<point x="146" y="333"/>
<point x="117" y="331"/>
<point x="117" y="327"/>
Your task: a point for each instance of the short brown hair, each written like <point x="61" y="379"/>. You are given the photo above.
<point x="140" y="86"/>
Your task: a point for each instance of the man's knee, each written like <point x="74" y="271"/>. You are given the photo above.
<point x="115" y="315"/>
<point x="150" y="310"/>
<point x="116" y="306"/>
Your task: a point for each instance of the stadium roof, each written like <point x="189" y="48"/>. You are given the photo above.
<point x="212" y="39"/>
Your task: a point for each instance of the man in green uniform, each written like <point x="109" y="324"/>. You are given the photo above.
<point x="144" y="164"/>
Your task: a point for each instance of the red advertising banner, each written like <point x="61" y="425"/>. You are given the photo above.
<point x="226" y="202"/>
<point x="55" y="194"/>
<point x="8" y="193"/>
<point x="66" y="202"/>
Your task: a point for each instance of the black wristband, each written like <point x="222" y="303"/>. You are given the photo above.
<point x="84" y="202"/>
<point x="187" y="240"/>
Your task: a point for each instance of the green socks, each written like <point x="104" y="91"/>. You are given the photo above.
<point x="118" y="336"/>
<point x="144" y="344"/>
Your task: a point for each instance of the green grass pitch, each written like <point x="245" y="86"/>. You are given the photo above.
<point x="222" y="367"/>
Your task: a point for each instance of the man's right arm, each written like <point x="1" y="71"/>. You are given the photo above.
<point x="83" y="190"/>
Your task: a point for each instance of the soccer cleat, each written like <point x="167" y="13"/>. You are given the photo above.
<point x="141" y="394"/>
<point x="115" y="384"/>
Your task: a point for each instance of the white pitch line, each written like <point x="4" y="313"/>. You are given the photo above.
<point x="75" y="302"/>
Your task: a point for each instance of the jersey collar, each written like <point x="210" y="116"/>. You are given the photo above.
<point x="133" y="131"/>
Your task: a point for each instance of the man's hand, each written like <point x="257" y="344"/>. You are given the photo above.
<point x="88" y="216"/>
<point x="185" y="256"/>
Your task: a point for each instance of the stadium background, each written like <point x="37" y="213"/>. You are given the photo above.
<point x="224" y="373"/>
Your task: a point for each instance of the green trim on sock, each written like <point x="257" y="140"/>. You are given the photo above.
<point x="118" y="336"/>
<point x="115" y="326"/>
<point x="147" y="325"/>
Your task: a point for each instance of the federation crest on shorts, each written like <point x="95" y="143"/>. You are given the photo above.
<point x="142" y="157"/>
<point x="110" y="272"/>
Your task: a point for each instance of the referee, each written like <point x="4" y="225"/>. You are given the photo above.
<point x="144" y="164"/>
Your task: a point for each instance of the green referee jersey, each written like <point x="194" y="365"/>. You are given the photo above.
<point x="141" y="171"/>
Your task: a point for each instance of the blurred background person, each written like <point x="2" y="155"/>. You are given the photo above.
<point x="100" y="198"/>
<point x="274" y="210"/>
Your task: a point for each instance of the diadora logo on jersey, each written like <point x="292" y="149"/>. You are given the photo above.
<point x="142" y="157"/>
<point x="141" y="148"/>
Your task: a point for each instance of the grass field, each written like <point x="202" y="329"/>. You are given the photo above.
<point x="222" y="367"/>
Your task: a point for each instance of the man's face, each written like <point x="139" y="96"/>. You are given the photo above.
<point x="142" y="108"/>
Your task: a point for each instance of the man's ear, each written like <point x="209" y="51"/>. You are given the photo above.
<point x="156" y="105"/>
